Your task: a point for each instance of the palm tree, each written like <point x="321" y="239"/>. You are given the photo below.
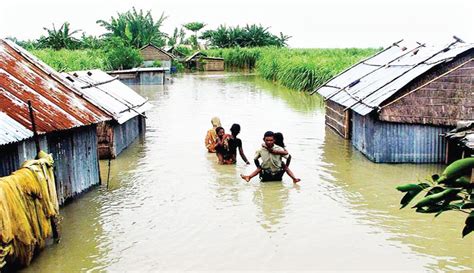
<point x="194" y="27"/>
<point x="136" y="29"/>
<point x="60" y="38"/>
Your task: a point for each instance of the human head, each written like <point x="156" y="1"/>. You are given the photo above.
<point x="279" y="139"/>
<point x="220" y="131"/>
<point x="216" y="122"/>
<point x="269" y="139"/>
<point x="235" y="129"/>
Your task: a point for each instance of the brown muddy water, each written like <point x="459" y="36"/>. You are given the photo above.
<point x="170" y="206"/>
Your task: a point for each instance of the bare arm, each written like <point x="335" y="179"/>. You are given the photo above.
<point x="241" y="151"/>
<point x="288" y="160"/>
<point x="276" y="152"/>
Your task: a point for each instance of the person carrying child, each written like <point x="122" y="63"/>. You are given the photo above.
<point x="272" y="167"/>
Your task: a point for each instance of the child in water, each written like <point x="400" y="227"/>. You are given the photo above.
<point x="278" y="141"/>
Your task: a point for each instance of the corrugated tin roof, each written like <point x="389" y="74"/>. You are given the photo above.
<point x="140" y="69"/>
<point x="463" y="134"/>
<point x="12" y="131"/>
<point x="57" y="104"/>
<point x="111" y="95"/>
<point x="366" y="85"/>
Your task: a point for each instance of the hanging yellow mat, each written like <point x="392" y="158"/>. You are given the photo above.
<point x="29" y="211"/>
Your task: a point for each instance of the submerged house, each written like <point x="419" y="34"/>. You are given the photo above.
<point x="151" y="54"/>
<point x="65" y="122"/>
<point x="395" y="105"/>
<point x="117" y="99"/>
<point x="460" y="141"/>
<point x="202" y="62"/>
<point x="142" y="75"/>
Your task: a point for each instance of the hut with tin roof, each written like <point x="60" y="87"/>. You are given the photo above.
<point x="201" y="62"/>
<point x="395" y="105"/>
<point x="152" y="53"/>
<point x="65" y="122"/>
<point x="460" y="141"/>
<point x="121" y="102"/>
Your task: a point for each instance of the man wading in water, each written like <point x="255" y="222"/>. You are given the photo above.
<point x="271" y="168"/>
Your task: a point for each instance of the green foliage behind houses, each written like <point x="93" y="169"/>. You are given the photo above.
<point x="71" y="60"/>
<point x="300" y="69"/>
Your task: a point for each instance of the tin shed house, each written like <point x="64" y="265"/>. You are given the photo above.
<point x="394" y="105"/>
<point x="202" y="62"/>
<point x="120" y="101"/>
<point x="66" y="123"/>
<point x="151" y="53"/>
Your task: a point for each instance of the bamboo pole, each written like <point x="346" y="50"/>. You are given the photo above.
<point x="33" y="128"/>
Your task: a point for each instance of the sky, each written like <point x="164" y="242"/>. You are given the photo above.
<point x="312" y="24"/>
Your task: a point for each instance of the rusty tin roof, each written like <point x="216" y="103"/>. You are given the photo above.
<point x="57" y="103"/>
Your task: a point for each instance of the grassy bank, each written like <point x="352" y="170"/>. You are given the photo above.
<point x="71" y="60"/>
<point x="300" y="69"/>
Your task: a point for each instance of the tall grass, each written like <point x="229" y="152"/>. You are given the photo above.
<point x="300" y="69"/>
<point x="71" y="60"/>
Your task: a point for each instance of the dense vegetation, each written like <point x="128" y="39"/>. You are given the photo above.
<point x="248" y="36"/>
<point x="300" y="69"/>
<point x="450" y="191"/>
<point x="249" y="47"/>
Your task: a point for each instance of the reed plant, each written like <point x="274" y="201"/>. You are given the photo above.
<point x="72" y="60"/>
<point x="300" y="69"/>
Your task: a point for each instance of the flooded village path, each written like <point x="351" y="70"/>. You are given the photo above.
<point x="169" y="206"/>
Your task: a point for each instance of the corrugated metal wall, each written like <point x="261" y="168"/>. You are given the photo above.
<point x="386" y="142"/>
<point x="75" y="155"/>
<point x="126" y="133"/>
<point x="143" y="78"/>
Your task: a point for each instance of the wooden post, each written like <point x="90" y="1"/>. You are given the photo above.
<point x="472" y="176"/>
<point x="33" y="125"/>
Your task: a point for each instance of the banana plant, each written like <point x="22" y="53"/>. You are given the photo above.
<point x="450" y="191"/>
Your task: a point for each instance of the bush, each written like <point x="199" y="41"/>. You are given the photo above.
<point x="157" y="63"/>
<point x="119" y="56"/>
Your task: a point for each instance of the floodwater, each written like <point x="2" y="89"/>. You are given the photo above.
<point x="170" y="207"/>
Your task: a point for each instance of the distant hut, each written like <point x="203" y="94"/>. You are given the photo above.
<point x="173" y="50"/>
<point x="151" y="53"/>
<point x="120" y="101"/>
<point x="394" y="105"/>
<point x="202" y="62"/>
<point x="66" y="123"/>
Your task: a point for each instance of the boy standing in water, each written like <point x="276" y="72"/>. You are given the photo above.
<point x="235" y="143"/>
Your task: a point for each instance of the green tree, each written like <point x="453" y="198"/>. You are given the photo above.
<point x="120" y="55"/>
<point x="177" y="38"/>
<point x="136" y="29"/>
<point x="450" y="191"/>
<point x="248" y="36"/>
<point x="60" y="38"/>
<point x="194" y="27"/>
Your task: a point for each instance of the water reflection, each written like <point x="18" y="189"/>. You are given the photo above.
<point x="370" y="191"/>
<point x="271" y="198"/>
